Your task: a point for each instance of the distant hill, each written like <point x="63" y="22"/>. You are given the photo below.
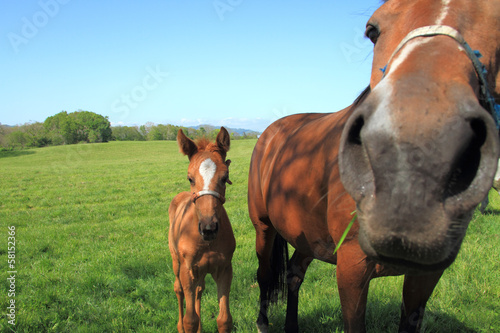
<point x="239" y="131"/>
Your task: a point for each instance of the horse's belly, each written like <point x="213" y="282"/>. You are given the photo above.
<point x="305" y="232"/>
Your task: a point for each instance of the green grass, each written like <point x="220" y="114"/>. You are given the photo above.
<point x="92" y="254"/>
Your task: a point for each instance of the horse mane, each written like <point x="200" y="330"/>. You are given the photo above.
<point x="361" y="96"/>
<point x="204" y="144"/>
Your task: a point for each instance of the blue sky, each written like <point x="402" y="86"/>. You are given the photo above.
<point x="237" y="63"/>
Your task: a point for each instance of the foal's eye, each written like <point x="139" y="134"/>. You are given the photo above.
<point x="225" y="180"/>
<point x="372" y="33"/>
<point x="191" y="180"/>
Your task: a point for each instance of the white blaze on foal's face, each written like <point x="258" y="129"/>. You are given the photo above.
<point x="207" y="172"/>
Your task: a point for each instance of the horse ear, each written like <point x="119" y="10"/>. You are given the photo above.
<point x="186" y="145"/>
<point x="223" y="140"/>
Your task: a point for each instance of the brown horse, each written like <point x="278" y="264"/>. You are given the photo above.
<point x="415" y="153"/>
<point x="200" y="238"/>
<point x="496" y="187"/>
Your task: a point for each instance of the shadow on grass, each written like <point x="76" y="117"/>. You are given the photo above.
<point x="379" y="318"/>
<point x="490" y="211"/>
<point x="437" y="321"/>
<point x="15" y="153"/>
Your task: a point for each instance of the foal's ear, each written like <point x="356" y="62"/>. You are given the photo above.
<point x="186" y="145"/>
<point x="223" y="140"/>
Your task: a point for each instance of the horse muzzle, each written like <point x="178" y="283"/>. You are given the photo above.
<point x="416" y="183"/>
<point x="208" y="229"/>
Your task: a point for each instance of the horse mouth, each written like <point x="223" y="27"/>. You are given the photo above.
<point x="410" y="262"/>
<point x="413" y="268"/>
<point x="209" y="234"/>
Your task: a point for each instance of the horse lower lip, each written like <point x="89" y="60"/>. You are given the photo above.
<point x="410" y="267"/>
<point x="209" y="235"/>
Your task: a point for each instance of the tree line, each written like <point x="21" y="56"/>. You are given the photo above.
<point x="88" y="127"/>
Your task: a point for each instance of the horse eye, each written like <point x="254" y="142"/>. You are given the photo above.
<point x="372" y="33"/>
<point x="191" y="181"/>
<point x="225" y="180"/>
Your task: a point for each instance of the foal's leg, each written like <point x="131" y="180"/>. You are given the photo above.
<point x="416" y="292"/>
<point x="223" y="280"/>
<point x="179" y="293"/>
<point x="199" y="293"/>
<point x="297" y="268"/>
<point x="353" y="278"/>
<point x="191" y="320"/>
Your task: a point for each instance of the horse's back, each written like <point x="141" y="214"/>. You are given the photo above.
<point x="269" y="145"/>
<point x="180" y="209"/>
<point x="179" y="205"/>
<point x="294" y="174"/>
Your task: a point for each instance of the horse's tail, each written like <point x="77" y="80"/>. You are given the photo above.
<point x="279" y="260"/>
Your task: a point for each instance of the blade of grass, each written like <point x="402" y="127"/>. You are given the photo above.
<point x="344" y="235"/>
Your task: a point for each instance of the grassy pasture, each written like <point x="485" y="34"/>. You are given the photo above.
<point x="92" y="254"/>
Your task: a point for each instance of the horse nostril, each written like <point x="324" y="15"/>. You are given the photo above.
<point x="355" y="171"/>
<point x="464" y="170"/>
<point x="208" y="230"/>
<point x="354" y="134"/>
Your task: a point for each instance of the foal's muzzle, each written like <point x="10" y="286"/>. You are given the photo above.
<point x="208" y="230"/>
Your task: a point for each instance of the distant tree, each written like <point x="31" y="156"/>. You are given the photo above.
<point x="79" y="126"/>
<point x="213" y="134"/>
<point x="155" y="133"/>
<point x="27" y="135"/>
<point x="190" y="132"/>
<point x="17" y="139"/>
<point x="171" y="132"/>
<point x="163" y="132"/>
<point x="125" y="133"/>
<point x="36" y="134"/>
<point x="63" y="126"/>
<point x="144" y="129"/>
<point x="202" y="132"/>
<point x="4" y="130"/>
<point x="91" y="127"/>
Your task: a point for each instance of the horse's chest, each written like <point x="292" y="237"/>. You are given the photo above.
<point x="212" y="260"/>
<point x="206" y="262"/>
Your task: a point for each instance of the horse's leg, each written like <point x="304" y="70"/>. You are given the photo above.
<point x="199" y="293"/>
<point x="179" y="293"/>
<point x="416" y="292"/>
<point x="353" y="279"/>
<point x="484" y="204"/>
<point x="264" y="245"/>
<point x="191" y="320"/>
<point x="297" y="268"/>
<point x="223" y="280"/>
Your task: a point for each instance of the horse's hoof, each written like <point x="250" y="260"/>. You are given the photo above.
<point x="262" y="328"/>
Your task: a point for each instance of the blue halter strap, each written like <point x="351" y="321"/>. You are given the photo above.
<point x="486" y="98"/>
